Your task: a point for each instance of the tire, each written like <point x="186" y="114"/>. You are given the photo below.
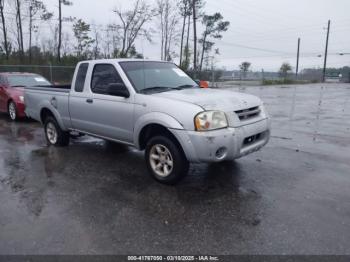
<point x="165" y="160"/>
<point x="54" y="134"/>
<point x="12" y="111"/>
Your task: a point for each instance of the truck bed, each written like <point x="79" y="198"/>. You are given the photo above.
<point x="54" y="98"/>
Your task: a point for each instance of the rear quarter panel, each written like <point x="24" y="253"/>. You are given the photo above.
<point x="55" y="101"/>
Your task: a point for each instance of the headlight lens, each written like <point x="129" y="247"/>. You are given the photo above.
<point x="21" y="98"/>
<point x="210" y="120"/>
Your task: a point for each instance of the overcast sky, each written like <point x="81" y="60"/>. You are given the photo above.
<point x="263" y="32"/>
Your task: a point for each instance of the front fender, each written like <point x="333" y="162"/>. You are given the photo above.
<point x="154" y="118"/>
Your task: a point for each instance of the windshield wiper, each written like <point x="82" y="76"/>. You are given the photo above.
<point x="18" y="86"/>
<point x="184" y="86"/>
<point x="155" y="88"/>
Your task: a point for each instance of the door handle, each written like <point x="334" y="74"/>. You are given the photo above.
<point x="89" y="100"/>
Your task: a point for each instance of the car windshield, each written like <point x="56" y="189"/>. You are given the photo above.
<point x="147" y="76"/>
<point x="27" y="80"/>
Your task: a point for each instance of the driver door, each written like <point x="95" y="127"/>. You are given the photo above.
<point x="111" y="115"/>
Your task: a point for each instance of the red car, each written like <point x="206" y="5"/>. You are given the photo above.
<point x="12" y="91"/>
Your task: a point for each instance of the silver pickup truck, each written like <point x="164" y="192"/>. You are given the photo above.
<point x="153" y="106"/>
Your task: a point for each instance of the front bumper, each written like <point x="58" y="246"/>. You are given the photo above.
<point x="224" y="144"/>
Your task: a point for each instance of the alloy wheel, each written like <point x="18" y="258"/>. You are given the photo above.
<point x="161" y="160"/>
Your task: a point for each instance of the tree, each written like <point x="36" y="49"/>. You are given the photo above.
<point x="133" y="23"/>
<point x="194" y="2"/>
<point x="244" y="67"/>
<point x="81" y="32"/>
<point x="4" y="30"/>
<point x="214" y="26"/>
<point x="168" y="23"/>
<point x="96" y="49"/>
<point x="19" y="28"/>
<point x="111" y="40"/>
<point x="59" y="44"/>
<point x="285" y="68"/>
<point x="36" y="7"/>
<point x="196" y="6"/>
<point x="185" y="65"/>
<point x="185" y="11"/>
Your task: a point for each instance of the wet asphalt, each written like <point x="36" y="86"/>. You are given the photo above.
<point x="94" y="197"/>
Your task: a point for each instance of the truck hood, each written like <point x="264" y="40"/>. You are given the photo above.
<point x="213" y="99"/>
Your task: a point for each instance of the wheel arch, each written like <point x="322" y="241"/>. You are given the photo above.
<point x="154" y="123"/>
<point x="9" y="100"/>
<point x="152" y="130"/>
<point x="47" y="111"/>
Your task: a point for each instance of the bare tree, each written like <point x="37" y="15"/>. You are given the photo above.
<point x="132" y="25"/>
<point x="194" y="35"/>
<point x="186" y="63"/>
<point x="214" y="26"/>
<point x="4" y="30"/>
<point x="60" y="3"/>
<point x="96" y="35"/>
<point x="36" y="7"/>
<point x="185" y="11"/>
<point x="168" y="22"/>
<point x="111" y="40"/>
<point x="19" y="28"/>
<point x="196" y="5"/>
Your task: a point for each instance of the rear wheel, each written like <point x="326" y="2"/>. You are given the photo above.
<point x="165" y="160"/>
<point x="54" y="134"/>
<point x="12" y="110"/>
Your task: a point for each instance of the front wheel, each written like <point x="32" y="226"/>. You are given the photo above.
<point x="165" y="160"/>
<point x="54" y="134"/>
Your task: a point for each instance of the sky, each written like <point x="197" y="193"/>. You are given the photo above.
<point x="263" y="32"/>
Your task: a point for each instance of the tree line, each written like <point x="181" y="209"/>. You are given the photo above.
<point x="32" y="34"/>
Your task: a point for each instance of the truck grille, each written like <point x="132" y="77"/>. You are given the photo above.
<point x="248" y="113"/>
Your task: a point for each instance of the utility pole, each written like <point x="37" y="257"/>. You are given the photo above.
<point x="297" y="67"/>
<point x="325" y="53"/>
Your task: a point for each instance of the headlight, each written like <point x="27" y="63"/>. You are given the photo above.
<point x="21" y="98"/>
<point x="210" y="120"/>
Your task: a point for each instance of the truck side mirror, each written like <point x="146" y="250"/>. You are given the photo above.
<point x="118" y="89"/>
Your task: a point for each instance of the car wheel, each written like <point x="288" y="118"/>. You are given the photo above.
<point x="54" y="134"/>
<point x="165" y="160"/>
<point x="12" y="111"/>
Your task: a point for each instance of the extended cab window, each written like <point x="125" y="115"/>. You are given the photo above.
<point x="81" y="75"/>
<point x="102" y="76"/>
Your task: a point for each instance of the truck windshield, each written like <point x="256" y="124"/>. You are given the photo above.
<point x="27" y="80"/>
<point x="147" y="76"/>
